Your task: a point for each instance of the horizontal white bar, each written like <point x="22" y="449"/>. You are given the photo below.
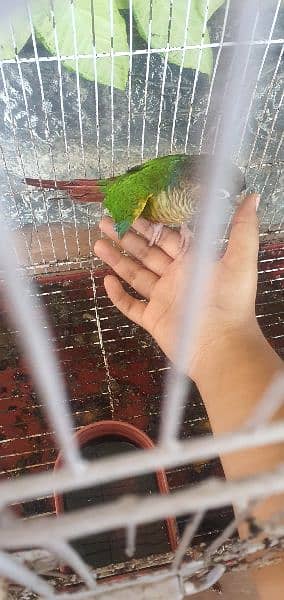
<point x="159" y="584"/>
<point x="130" y="510"/>
<point x="18" y="573"/>
<point x="73" y="57"/>
<point x="69" y="556"/>
<point x="138" y="463"/>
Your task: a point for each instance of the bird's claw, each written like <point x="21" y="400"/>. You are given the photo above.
<point x="157" y="232"/>
<point x="185" y="239"/>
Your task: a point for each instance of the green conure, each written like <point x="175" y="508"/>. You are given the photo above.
<point x="166" y="190"/>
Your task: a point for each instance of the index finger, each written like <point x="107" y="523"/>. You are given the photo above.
<point x="169" y="240"/>
<point x="244" y="237"/>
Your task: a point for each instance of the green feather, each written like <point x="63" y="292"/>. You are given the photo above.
<point x="121" y="228"/>
<point x="127" y="194"/>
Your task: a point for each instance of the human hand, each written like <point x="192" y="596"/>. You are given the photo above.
<point x="158" y="273"/>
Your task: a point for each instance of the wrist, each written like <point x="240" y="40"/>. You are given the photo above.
<point x="232" y="375"/>
<point x="222" y="351"/>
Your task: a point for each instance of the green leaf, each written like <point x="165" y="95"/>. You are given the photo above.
<point x="84" y="35"/>
<point x="160" y="23"/>
<point x="213" y="6"/>
<point x="122" y="4"/>
<point x="17" y="19"/>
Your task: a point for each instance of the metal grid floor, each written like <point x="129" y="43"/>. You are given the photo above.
<point x="112" y="370"/>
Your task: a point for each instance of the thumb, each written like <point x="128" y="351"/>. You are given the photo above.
<point x="244" y="237"/>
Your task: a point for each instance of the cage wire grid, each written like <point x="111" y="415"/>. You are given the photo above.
<point x="37" y="225"/>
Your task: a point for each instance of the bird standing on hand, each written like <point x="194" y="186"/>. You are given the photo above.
<point x="166" y="191"/>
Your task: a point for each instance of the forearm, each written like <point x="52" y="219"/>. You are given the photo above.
<point x="231" y="386"/>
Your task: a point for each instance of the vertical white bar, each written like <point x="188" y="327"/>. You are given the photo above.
<point x="279" y="145"/>
<point x="75" y="41"/>
<point x="268" y="98"/>
<point x="47" y="132"/>
<point x="111" y="84"/>
<point x="103" y="351"/>
<point x="186" y="539"/>
<point x="259" y="75"/>
<point x="130" y="547"/>
<point x="31" y="134"/>
<point x="89" y="231"/>
<point x="68" y="555"/>
<point x="96" y="99"/>
<point x="228" y="531"/>
<point x="281" y="178"/>
<point x="96" y="87"/>
<point x="14" y="195"/>
<point x="209" y="231"/>
<point x="262" y="191"/>
<point x="196" y="76"/>
<point x="271" y="132"/>
<point x="242" y="80"/>
<point x="180" y="73"/>
<point x="220" y="48"/>
<point x="58" y="59"/>
<point x="59" y="67"/>
<point x="130" y="80"/>
<point x="241" y="83"/>
<point x="269" y="173"/>
<point x="73" y="20"/>
<point x="18" y="152"/>
<point x="35" y="342"/>
<point x="164" y="78"/>
<point x="147" y="78"/>
<point x="42" y="95"/>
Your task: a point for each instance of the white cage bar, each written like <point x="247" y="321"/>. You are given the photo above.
<point x="54" y="534"/>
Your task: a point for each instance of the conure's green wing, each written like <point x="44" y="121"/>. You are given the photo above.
<point x="130" y="215"/>
<point x="127" y="195"/>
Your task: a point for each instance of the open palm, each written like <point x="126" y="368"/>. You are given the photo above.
<point x="157" y="273"/>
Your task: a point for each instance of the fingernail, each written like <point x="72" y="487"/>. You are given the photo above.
<point x="257" y="201"/>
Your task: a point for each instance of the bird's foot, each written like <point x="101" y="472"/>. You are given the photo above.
<point x="157" y="232"/>
<point x="185" y="238"/>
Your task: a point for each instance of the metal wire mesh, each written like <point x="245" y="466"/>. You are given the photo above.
<point x="44" y="135"/>
<point x="56" y="124"/>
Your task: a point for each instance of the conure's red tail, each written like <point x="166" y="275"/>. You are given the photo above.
<point x="84" y="190"/>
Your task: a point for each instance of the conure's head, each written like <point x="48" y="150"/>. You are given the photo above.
<point x="198" y="170"/>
